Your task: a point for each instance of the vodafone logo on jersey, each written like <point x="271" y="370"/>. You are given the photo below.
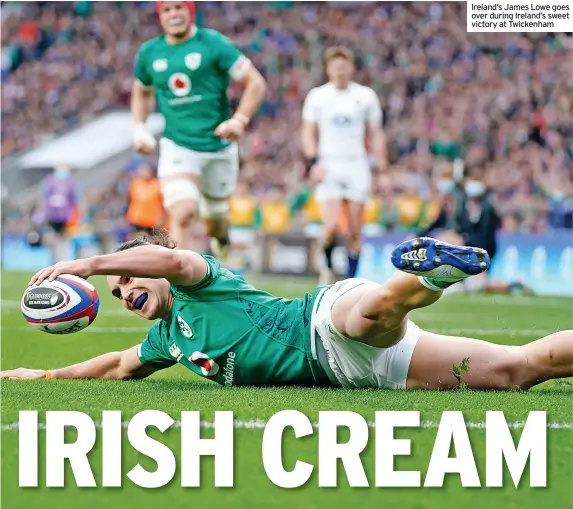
<point x="180" y="84"/>
<point x="208" y="366"/>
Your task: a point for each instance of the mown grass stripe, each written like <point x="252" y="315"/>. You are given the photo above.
<point x="261" y="424"/>
<point x="452" y="332"/>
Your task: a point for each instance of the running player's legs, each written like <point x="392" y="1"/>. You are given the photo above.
<point x="330" y="209"/>
<point x="329" y="198"/>
<point x="179" y="171"/>
<point x="355" y="224"/>
<point x="218" y="183"/>
<point x="356" y="192"/>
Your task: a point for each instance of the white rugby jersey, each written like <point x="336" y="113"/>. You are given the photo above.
<point x="342" y="116"/>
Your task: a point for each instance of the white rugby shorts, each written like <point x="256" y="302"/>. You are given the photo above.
<point x="218" y="170"/>
<point x="354" y="364"/>
<point x="345" y="179"/>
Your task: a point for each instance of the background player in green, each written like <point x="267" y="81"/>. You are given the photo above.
<point x="188" y="70"/>
<point x="354" y="334"/>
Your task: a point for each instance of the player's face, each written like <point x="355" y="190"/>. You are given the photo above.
<point x="340" y="71"/>
<point x="175" y="18"/>
<point x="146" y="297"/>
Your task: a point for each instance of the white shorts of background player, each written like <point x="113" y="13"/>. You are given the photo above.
<point x="345" y="179"/>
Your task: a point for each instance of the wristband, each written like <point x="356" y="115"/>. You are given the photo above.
<point x="48" y="375"/>
<point x="242" y="118"/>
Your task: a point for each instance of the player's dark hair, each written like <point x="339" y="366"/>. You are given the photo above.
<point x="160" y="237"/>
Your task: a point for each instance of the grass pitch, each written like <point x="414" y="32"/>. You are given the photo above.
<point x="503" y="319"/>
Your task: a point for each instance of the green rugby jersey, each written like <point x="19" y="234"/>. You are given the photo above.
<point x="226" y="330"/>
<point x="190" y="81"/>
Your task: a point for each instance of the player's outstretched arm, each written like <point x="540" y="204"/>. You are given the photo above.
<point x="114" y="366"/>
<point x="176" y="265"/>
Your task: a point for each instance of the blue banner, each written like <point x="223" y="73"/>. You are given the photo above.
<point x="544" y="262"/>
<point x="18" y="255"/>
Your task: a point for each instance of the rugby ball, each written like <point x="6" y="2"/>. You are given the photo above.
<point x="67" y="304"/>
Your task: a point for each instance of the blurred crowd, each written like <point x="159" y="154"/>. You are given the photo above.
<point x="501" y="102"/>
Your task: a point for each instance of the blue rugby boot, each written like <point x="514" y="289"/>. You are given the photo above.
<point x="438" y="264"/>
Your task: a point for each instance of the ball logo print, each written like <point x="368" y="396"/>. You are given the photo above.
<point x="43" y="298"/>
<point x="77" y="326"/>
<point x="180" y="84"/>
<point x="208" y="366"/>
<point x="193" y="61"/>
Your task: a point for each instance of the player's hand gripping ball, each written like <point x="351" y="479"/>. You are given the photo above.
<point x="62" y="306"/>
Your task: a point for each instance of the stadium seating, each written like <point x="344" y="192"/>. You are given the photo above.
<point x="444" y="92"/>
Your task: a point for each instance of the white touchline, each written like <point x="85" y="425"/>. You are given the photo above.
<point x="516" y="300"/>
<point x="481" y="300"/>
<point x="455" y="332"/>
<point x="261" y="424"/>
<point x="497" y="332"/>
<point x="92" y="330"/>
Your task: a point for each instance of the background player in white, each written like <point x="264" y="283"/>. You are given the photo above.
<point x="188" y="70"/>
<point x="338" y="118"/>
